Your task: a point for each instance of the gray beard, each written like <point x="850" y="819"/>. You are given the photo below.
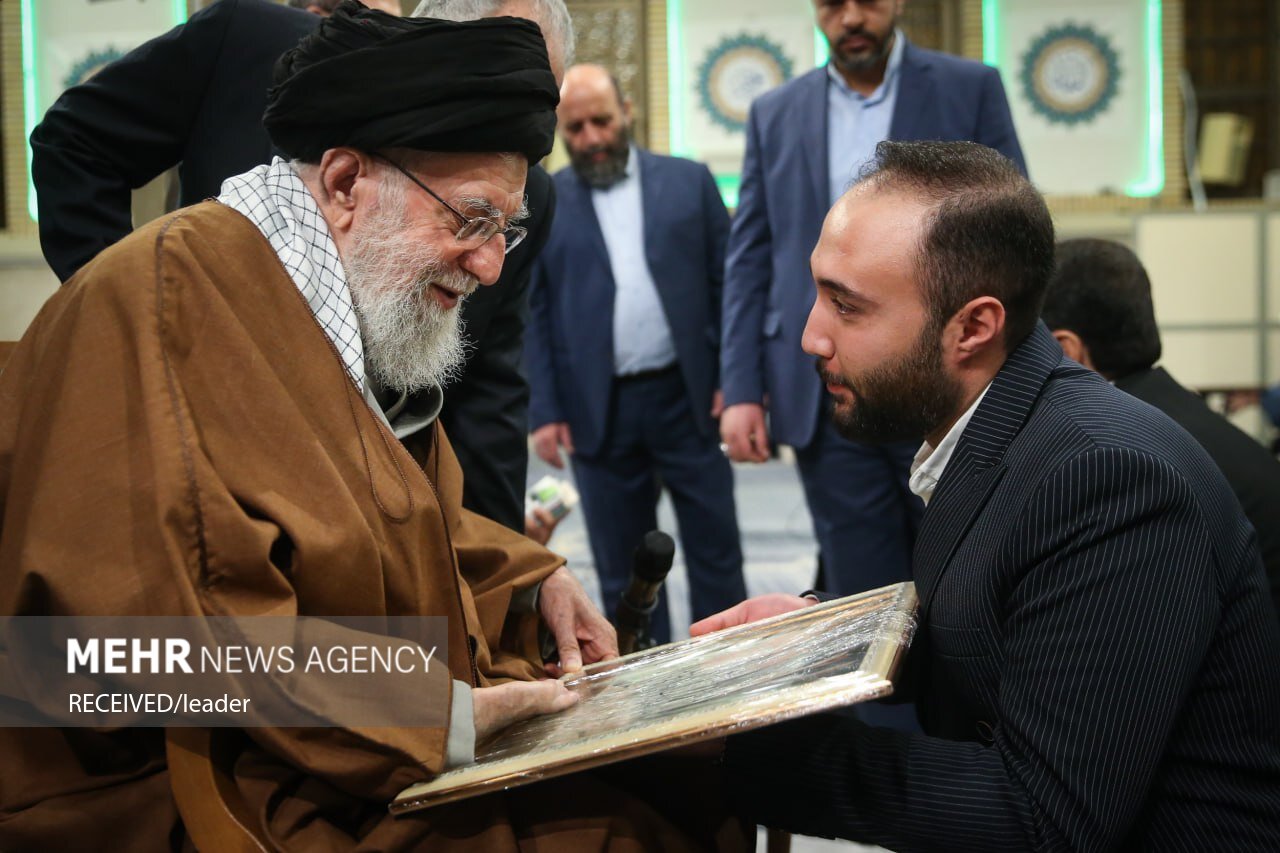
<point x="410" y="342"/>
<point x="856" y="64"/>
<point x="610" y="171"/>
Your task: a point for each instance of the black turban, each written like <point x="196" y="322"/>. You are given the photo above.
<point x="371" y="80"/>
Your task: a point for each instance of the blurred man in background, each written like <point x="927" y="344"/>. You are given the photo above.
<point x="805" y="142"/>
<point x="1099" y="308"/>
<point x="623" y="347"/>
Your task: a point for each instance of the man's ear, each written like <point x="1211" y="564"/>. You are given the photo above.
<point x="1073" y="346"/>
<point x="980" y="326"/>
<point x="341" y="178"/>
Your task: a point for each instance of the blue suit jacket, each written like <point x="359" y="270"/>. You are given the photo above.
<point x="569" y="343"/>
<point x="1097" y="664"/>
<point x="783" y="201"/>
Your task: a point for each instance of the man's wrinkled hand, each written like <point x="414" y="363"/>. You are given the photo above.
<point x="495" y="708"/>
<point x="751" y="610"/>
<point x="581" y="632"/>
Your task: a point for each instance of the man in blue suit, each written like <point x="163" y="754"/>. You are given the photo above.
<point x="623" y="342"/>
<point x="806" y="141"/>
<point x="1097" y="661"/>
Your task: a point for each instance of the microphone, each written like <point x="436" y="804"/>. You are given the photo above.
<point x="649" y="568"/>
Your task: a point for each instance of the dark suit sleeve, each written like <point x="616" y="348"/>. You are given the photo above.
<point x="116" y="132"/>
<point x="486" y="412"/>
<point x="748" y="274"/>
<point x="717" y="232"/>
<point x="995" y="122"/>
<point x="1103" y="634"/>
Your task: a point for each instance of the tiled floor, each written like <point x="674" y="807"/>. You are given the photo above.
<point x="778" y="547"/>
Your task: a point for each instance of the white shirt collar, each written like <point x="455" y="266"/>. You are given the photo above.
<point x="929" y="463"/>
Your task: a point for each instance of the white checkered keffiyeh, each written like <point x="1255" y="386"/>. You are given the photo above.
<point x="274" y="199"/>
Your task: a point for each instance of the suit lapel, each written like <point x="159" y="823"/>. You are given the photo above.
<point x="579" y="197"/>
<point x="975" y="468"/>
<point x="593" y="295"/>
<point x="916" y="87"/>
<point x="947" y="519"/>
<point x="811" y="101"/>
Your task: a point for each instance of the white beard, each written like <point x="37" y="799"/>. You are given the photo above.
<point x="410" y="341"/>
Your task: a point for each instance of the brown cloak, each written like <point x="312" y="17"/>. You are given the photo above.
<point x="178" y="437"/>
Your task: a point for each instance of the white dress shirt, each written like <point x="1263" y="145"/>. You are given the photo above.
<point x="929" y="463"/>
<point x="641" y="336"/>
<point x="857" y="123"/>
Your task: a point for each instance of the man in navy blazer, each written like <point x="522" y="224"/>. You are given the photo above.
<point x="1099" y="309"/>
<point x="623" y="343"/>
<point x="805" y="143"/>
<point x="1097" y="660"/>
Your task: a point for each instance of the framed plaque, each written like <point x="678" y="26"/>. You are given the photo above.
<point x="822" y="657"/>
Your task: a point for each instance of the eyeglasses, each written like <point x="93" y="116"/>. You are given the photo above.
<point x="473" y="232"/>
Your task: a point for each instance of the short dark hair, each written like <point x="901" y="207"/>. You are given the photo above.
<point x="1101" y="291"/>
<point x="989" y="234"/>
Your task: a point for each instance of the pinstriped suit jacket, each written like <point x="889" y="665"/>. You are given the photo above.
<point x="1098" y="661"/>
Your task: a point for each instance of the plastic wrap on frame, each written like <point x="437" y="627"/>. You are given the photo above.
<point x="827" y="656"/>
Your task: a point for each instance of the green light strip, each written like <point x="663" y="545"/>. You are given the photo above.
<point x="31" y="87"/>
<point x="675" y="78"/>
<point x="991" y="33"/>
<point x="1153" y="182"/>
<point x="29" y="93"/>
<point x="821" y="50"/>
<point x="729" y="186"/>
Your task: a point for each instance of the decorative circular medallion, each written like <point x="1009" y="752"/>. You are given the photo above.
<point x="90" y="65"/>
<point x="1070" y="74"/>
<point x="735" y="72"/>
